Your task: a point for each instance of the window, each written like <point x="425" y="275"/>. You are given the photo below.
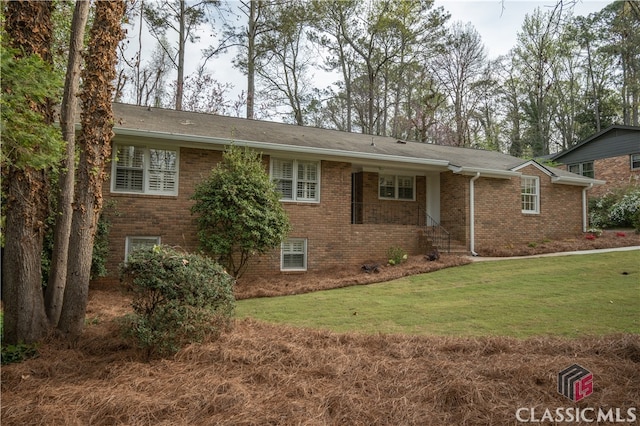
<point x="584" y="169"/>
<point x="294" y="255"/>
<point x="530" y="194"/>
<point x="296" y="180"/>
<point x="144" y="170"/>
<point x="133" y="243"/>
<point x="396" y="187"/>
<point x="635" y="161"/>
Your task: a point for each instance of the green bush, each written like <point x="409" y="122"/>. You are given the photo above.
<point x="396" y="255"/>
<point x="18" y="353"/>
<point x="178" y="298"/>
<point x="619" y="208"/>
<point x="238" y="208"/>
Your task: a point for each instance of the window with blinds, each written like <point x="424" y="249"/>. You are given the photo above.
<point x="294" y="254"/>
<point x="296" y="180"/>
<point x="145" y="170"/>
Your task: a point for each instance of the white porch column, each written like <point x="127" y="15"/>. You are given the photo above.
<point x="433" y="196"/>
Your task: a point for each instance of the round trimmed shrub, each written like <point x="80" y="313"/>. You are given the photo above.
<point x="178" y="298"/>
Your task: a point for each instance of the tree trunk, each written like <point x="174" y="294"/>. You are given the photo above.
<point x="181" y="44"/>
<point x="594" y="89"/>
<point x="24" y="316"/>
<point x="95" y="145"/>
<point x="58" y="272"/>
<point x="29" y="28"/>
<point x="251" y="58"/>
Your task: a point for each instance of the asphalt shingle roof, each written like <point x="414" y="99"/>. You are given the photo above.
<point x="181" y="124"/>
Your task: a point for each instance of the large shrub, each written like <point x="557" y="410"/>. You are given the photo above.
<point x="238" y="210"/>
<point x="619" y="208"/>
<point x="178" y="298"/>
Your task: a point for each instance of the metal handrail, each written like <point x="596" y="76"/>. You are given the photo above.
<point x="402" y="214"/>
<point x="440" y="237"/>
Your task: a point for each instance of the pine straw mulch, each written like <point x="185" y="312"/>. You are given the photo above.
<point x="261" y="374"/>
<point x="608" y="239"/>
<point x="340" y="277"/>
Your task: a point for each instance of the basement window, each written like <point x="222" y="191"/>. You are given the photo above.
<point x="136" y="243"/>
<point x="293" y="255"/>
<point x="530" y="194"/>
<point x="635" y="161"/>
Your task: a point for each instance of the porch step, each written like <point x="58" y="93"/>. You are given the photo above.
<point x="458" y="248"/>
<point x="455" y="246"/>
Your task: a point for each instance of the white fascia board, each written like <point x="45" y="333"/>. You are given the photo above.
<point x="193" y="140"/>
<point x="570" y="180"/>
<point x="563" y="180"/>
<point x="536" y="165"/>
<point x="490" y="173"/>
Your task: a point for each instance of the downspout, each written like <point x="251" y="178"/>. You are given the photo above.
<point x="472" y="213"/>
<point x="585" y="217"/>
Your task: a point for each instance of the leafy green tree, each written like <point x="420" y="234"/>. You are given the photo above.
<point x="239" y="212"/>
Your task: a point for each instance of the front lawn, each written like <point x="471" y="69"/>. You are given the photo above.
<point x="569" y="296"/>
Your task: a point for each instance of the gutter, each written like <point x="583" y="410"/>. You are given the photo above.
<point x="472" y="214"/>
<point x="208" y="140"/>
<point x="492" y="173"/>
<point x="570" y="180"/>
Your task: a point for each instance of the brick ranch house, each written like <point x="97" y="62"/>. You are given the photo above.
<point x="349" y="197"/>
<point x="612" y="154"/>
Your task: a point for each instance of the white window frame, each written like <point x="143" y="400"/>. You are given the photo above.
<point x="397" y="182"/>
<point x="147" y="172"/>
<point x="301" y="185"/>
<point x="527" y="182"/>
<point x="581" y="169"/>
<point x="634" y="158"/>
<point x="288" y="248"/>
<point x="129" y="243"/>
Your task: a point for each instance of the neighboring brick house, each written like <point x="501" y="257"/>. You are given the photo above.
<point x="612" y="155"/>
<point x="349" y="197"/>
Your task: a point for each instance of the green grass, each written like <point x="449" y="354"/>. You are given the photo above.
<point x="565" y="296"/>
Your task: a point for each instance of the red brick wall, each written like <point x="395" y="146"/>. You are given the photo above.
<point x="616" y="171"/>
<point x="454" y="205"/>
<point x="499" y="220"/>
<point x="152" y="215"/>
<point x="332" y="240"/>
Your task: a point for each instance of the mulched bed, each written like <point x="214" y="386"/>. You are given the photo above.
<point x="349" y="275"/>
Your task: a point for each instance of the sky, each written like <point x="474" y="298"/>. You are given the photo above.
<point x="498" y="21"/>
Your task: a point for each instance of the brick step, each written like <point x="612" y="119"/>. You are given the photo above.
<point x="455" y="246"/>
